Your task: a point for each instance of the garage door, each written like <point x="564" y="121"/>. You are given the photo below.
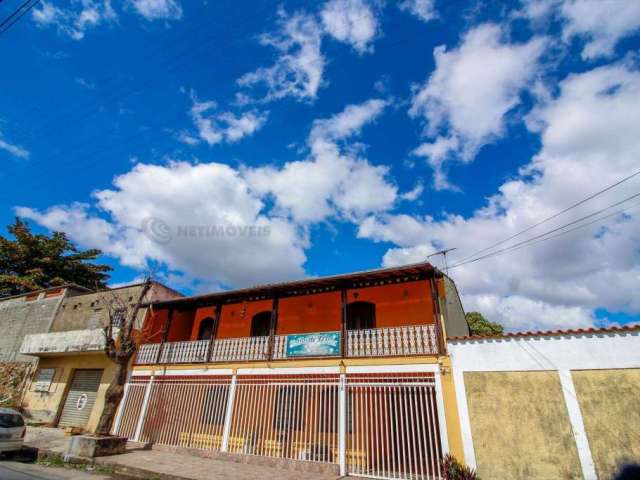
<point x="81" y="398"/>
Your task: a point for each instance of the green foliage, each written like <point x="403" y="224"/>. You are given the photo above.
<point x="481" y="326"/>
<point x="452" y="469"/>
<point x="32" y="262"/>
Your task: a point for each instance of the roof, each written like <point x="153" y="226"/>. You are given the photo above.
<point x="550" y="333"/>
<point x="58" y="287"/>
<point x="312" y="285"/>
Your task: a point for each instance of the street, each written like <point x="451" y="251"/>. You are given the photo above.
<point x="10" y="470"/>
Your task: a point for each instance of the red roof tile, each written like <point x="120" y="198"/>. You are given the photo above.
<point x="550" y="333"/>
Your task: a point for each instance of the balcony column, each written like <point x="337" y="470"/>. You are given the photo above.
<point x="343" y="323"/>
<point x="165" y="334"/>
<point x="272" y="328"/>
<point x="214" y="332"/>
<point x="437" y="315"/>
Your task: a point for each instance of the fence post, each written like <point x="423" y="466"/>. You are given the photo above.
<point x="143" y="410"/>
<point x="228" y="415"/>
<point x="342" y="424"/>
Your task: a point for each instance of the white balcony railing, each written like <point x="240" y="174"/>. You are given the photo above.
<point x="374" y="342"/>
<point x="391" y="341"/>
<point x="184" y="352"/>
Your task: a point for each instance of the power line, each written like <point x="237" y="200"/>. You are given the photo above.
<point x="555" y="215"/>
<point x="17" y="14"/>
<point x="544" y="236"/>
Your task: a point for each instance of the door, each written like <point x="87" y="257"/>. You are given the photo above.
<point x="80" y="398"/>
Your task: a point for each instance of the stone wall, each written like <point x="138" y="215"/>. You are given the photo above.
<point x="14" y="379"/>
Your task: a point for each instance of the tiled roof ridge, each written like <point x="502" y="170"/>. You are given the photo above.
<point x="549" y="333"/>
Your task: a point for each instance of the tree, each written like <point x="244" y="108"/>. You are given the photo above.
<point x="33" y="262"/>
<point x="120" y="345"/>
<point x="478" y="325"/>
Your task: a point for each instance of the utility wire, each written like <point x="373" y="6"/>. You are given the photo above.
<point x="555" y="215"/>
<point x="18" y="13"/>
<point x="545" y="234"/>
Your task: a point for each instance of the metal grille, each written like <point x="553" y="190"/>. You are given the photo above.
<point x="80" y="398"/>
<point x="131" y="405"/>
<point x="184" y="352"/>
<point x="292" y="417"/>
<point x="147" y="354"/>
<point x="186" y="412"/>
<point x="393" y="427"/>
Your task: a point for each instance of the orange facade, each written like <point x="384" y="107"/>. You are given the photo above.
<point x="396" y="304"/>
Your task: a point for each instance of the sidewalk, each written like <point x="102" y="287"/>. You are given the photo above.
<point x="169" y="466"/>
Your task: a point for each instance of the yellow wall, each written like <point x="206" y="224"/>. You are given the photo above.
<point x="46" y="406"/>
<point x="520" y="426"/>
<point x="610" y="406"/>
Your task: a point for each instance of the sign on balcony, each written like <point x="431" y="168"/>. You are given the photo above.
<point x="324" y="344"/>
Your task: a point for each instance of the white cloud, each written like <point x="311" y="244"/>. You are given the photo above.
<point x="462" y="117"/>
<point x="175" y="204"/>
<point x="414" y="193"/>
<point x="298" y="69"/>
<point x="423" y="9"/>
<point x="158" y="9"/>
<point x="351" y="21"/>
<point x="214" y="128"/>
<point x="13" y="149"/>
<point x="600" y="24"/>
<point x="590" y="139"/>
<point x="74" y="21"/>
<point x="332" y="181"/>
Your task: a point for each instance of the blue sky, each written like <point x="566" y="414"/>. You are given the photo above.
<point x="328" y="137"/>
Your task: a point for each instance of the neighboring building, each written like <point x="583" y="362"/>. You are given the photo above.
<point x="348" y="371"/>
<point x="73" y="371"/>
<point x="29" y="313"/>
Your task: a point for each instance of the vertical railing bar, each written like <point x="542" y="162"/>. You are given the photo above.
<point x="229" y="414"/>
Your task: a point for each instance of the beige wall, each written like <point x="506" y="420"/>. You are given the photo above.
<point x="610" y="405"/>
<point x="45" y="406"/>
<point x="520" y="426"/>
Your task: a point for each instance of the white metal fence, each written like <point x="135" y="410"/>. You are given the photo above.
<point x="390" y="430"/>
<point x="374" y="342"/>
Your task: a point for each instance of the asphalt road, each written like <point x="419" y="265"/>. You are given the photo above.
<point x="10" y="470"/>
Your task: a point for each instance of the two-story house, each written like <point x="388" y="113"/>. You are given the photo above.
<point x="73" y="370"/>
<point x="350" y="371"/>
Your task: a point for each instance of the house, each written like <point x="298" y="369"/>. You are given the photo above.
<point x="73" y="372"/>
<point x="348" y="371"/>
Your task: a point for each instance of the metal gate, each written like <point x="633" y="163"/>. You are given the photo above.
<point x="390" y="427"/>
<point x="80" y="398"/>
<point x="393" y="429"/>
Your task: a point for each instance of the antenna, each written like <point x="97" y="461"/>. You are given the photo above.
<point x="444" y="254"/>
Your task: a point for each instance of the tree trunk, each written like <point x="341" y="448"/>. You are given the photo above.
<point x="112" y="398"/>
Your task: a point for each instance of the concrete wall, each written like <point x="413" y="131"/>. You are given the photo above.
<point x="610" y="405"/>
<point x="14" y="377"/>
<point x="520" y="426"/>
<point x="531" y="406"/>
<point x="45" y="407"/>
<point x="20" y="316"/>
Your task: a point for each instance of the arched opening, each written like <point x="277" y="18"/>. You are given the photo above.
<point x="361" y="315"/>
<point x="261" y="324"/>
<point x="205" y="331"/>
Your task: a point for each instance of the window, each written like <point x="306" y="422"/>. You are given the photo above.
<point x="361" y="315"/>
<point x="261" y="324"/>
<point x="44" y="379"/>
<point x="205" y="332"/>
<point x="214" y="406"/>
<point x="118" y="317"/>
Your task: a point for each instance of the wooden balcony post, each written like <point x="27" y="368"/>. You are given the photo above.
<point x="214" y="332"/>
<point x="343" y="323"/>
<point x="272" y="328"/>
<point x="165" y="334"/>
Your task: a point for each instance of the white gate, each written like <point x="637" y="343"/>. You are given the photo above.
<point x="391" y="428"/>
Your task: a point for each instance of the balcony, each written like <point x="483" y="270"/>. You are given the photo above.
<point x="374" y="342"/>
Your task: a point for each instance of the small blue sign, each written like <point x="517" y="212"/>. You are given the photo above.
<point x="325" y="344"/>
